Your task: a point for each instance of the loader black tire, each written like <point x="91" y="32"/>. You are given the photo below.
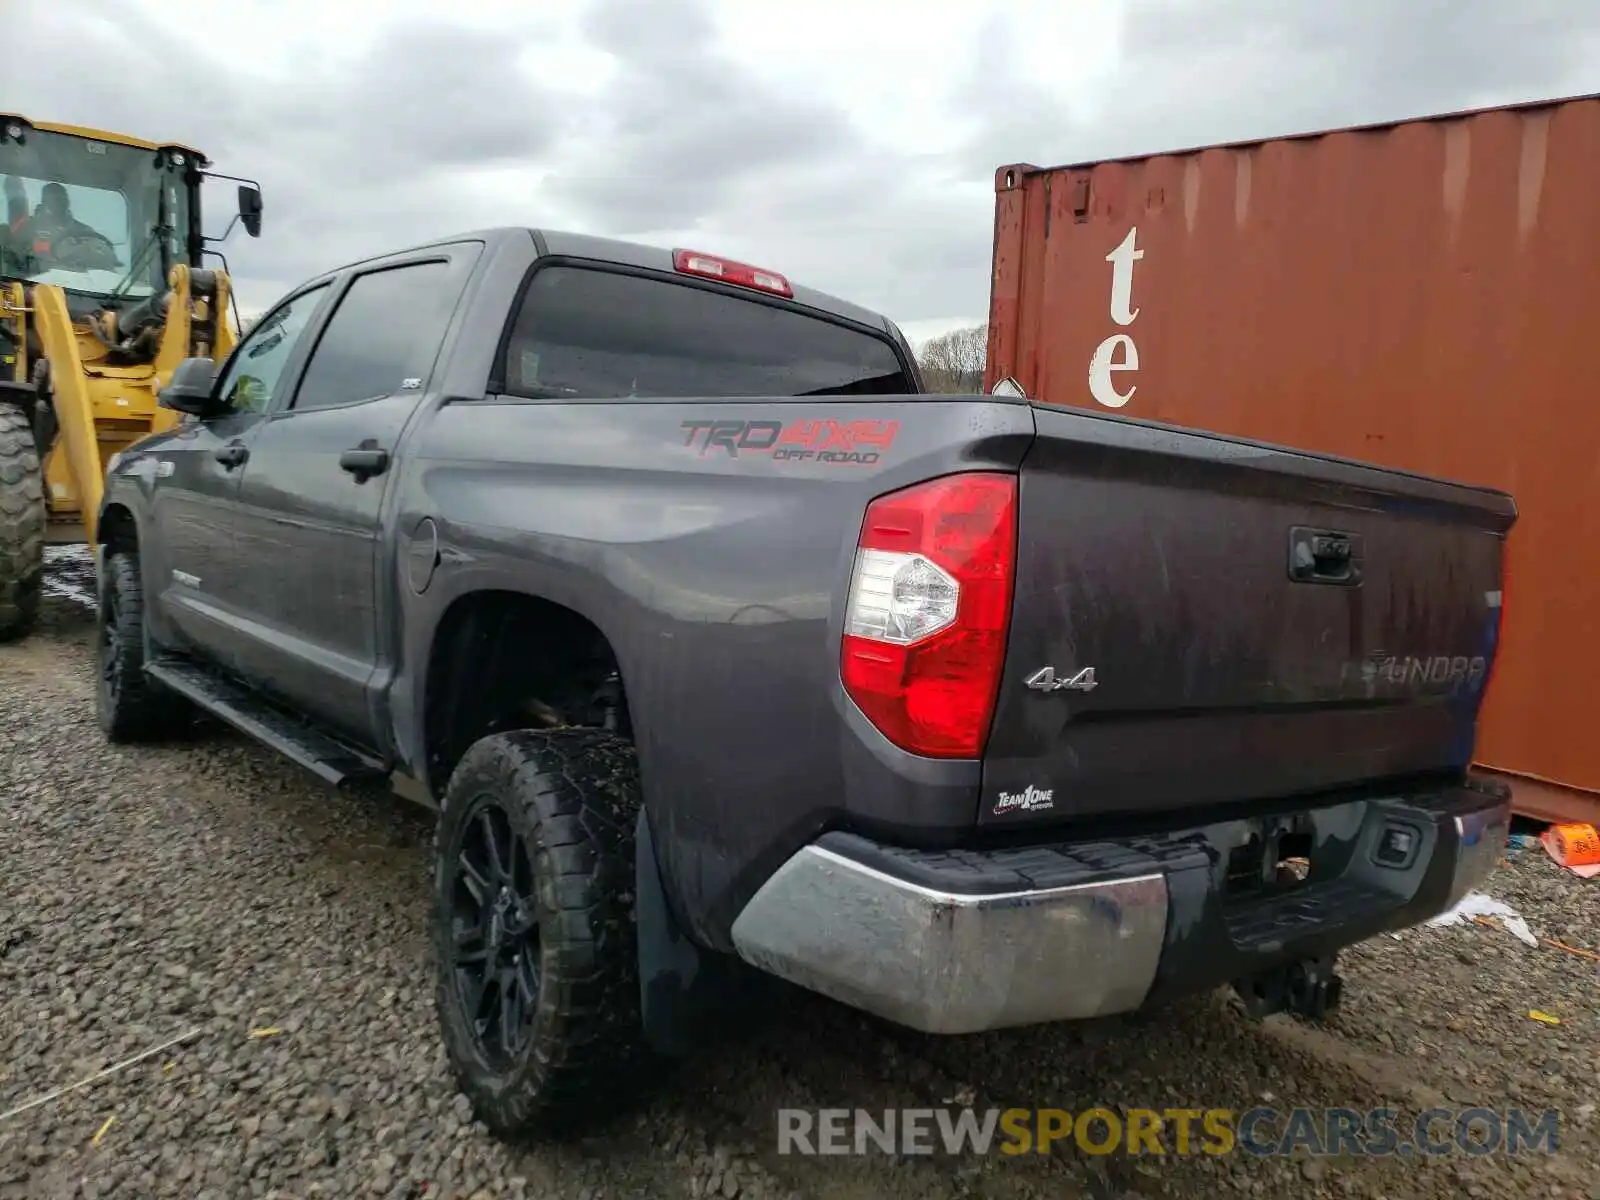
<point x="131" y="706"/>
<point x="22" y="519"/>
<point x="563" y="805"/>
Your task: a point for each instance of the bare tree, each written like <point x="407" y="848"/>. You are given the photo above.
<point x="953" y="362"/>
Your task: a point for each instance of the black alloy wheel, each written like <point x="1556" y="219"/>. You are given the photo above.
<point x="534" y="941"/>
<point x="111" y="651"/>
<point x="130" y="705"/>
<point x="496" y="957"/>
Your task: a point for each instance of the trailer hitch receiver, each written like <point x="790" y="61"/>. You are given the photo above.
<point x="1308" y="988"/>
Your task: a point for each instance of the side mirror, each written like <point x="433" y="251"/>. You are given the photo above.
<point x="189" y="390"/>
<point x="250" y="209"/>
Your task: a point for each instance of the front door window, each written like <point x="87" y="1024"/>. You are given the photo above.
<point x="257" y="365"/>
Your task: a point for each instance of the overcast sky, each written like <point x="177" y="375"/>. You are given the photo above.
<point x="851" y="145"/>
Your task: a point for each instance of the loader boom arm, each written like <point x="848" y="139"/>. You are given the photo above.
<point x="100" y="409"/>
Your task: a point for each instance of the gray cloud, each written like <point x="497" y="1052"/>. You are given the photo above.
<point x="423" y="98"/>
<point x="353" y="156"/>
<point x="1200" y="71"/>
<point x="358" y="155"/>
<point x="683" y="121"/>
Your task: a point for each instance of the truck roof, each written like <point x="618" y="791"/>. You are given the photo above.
<point x="634" y="254"/>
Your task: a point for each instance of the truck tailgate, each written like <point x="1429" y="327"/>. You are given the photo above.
<point x="1199" y="620"/>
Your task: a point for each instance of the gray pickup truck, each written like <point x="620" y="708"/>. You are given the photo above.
<point x="728" y="654"/>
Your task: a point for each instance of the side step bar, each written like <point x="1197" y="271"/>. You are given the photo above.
<point x="324" y="756"/>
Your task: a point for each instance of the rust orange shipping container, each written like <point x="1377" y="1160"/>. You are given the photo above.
<point x="1425" y="295"/>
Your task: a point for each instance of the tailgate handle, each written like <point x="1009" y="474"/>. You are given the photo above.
<point x="1324" y="556"/>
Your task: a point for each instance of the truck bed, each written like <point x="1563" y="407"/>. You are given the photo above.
<point x="1256" y="622"/>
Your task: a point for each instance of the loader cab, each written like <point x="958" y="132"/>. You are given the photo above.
<point x="95" y="315"/>
<point x="104" y="216"/>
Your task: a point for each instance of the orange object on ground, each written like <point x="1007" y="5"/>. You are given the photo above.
<point x="1573" y="845"/>
<point x="1424" y="295"/>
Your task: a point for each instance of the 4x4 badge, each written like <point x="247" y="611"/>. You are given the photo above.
<point x="1045" y="679"/>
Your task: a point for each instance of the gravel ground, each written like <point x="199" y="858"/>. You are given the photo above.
<point x="212" y="890"/>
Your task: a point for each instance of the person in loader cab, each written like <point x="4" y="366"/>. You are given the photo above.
<point x="52" y="225"/>
<point x="13" y="249"/>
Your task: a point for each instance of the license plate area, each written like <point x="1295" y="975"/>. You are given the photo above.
<point x="1273" y="856"/>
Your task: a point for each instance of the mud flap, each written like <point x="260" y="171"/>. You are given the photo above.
<point x="688" y="997"/>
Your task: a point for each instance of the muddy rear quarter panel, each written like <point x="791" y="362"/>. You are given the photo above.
<point x="716" y="566"/>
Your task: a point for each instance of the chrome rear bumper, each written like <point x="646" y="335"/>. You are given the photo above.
<point x="949" y="963"/>
<point x="939" y="943"/>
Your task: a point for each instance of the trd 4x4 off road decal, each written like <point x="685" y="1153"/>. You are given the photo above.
<point x="825" y="440"/>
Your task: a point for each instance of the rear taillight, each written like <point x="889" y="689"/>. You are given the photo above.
<point x="930" y="602"/>
<point x="709" y="266"/>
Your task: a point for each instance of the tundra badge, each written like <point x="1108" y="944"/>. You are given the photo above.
<point x="1045" y="679"/>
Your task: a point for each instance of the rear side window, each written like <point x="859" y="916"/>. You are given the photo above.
<point x="595" y="334"/>
<point x="382" y="338"/>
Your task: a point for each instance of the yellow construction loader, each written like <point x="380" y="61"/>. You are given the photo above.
<point x="102" y="294"/>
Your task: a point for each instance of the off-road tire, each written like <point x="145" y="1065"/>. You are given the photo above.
<point x="22" y="518"/>
<point x="573" y="796"/>
<point x="131" y="706"/>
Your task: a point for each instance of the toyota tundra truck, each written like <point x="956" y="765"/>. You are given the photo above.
<point x="725" y="652"/>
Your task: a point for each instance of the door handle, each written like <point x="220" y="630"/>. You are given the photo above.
<point x="232" y="455"/>
<point x="365" y="461"/>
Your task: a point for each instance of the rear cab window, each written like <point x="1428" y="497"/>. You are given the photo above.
<point x="593" y="333"/>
